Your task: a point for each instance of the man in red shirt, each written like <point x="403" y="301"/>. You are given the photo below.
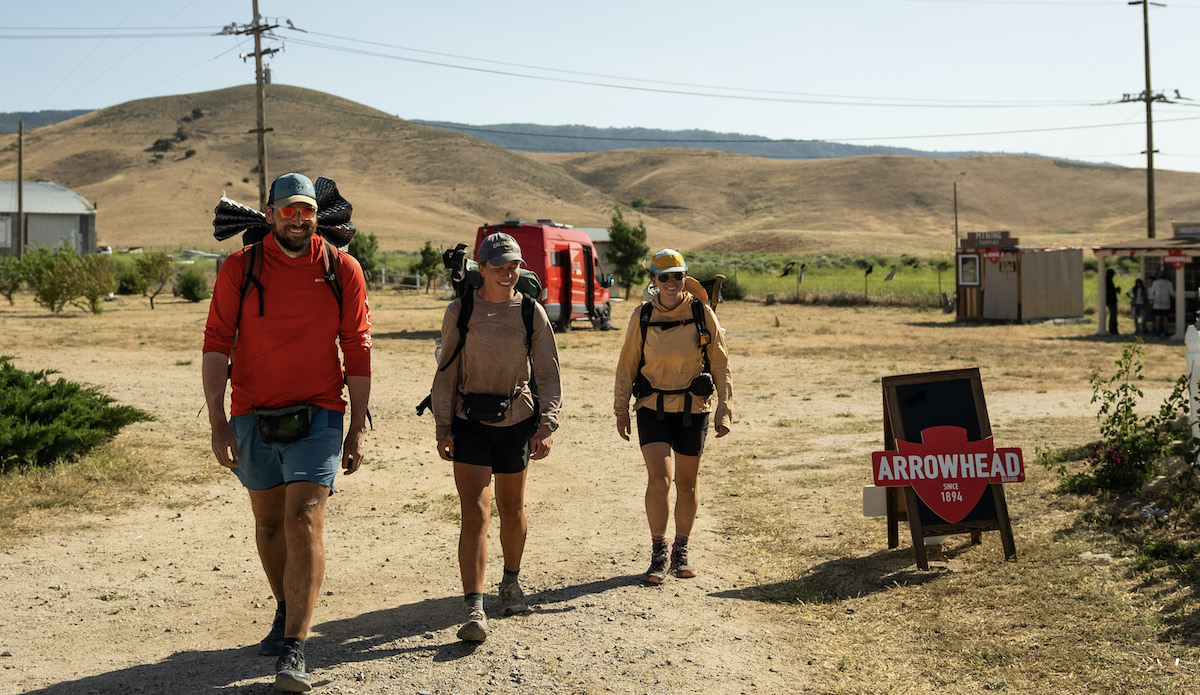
<point x="285" y="433"/>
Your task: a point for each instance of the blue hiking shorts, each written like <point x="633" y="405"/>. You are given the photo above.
<point x="314" y="459"/>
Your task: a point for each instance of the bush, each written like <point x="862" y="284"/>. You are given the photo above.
<point x="55" y="277"/>
<point x="44" y="422"/>
<point x="1130" y="450"/>
<point x="128" y="280"/>
<point x="11" y="276"/>
<point x="163" y="145"/>
<point x="97" y="279"/>
<point x="192" y="283"/>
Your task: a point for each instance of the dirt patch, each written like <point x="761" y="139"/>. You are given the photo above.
<point x="797" y="591"/>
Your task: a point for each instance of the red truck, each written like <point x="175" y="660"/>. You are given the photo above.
<point x="574" y="285"/>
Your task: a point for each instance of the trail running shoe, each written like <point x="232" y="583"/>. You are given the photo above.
<point x="475" y="629"/>
<point x="658" y="565"/>
<point x="272" y="644"/>
<point x="290" y="674"/>
<point x="512" y="599"/>
<point x="679" y="563"/>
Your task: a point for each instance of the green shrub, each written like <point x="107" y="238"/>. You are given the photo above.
<point x="1131" y="449"/>
<point x="97" y="279"/>
<point x="129" y="281"/>
<point x="43" y="422"/>
<point x="365" y="249"/>
<point x="11" y="276"/>
<point x="192" y="283"/>
<point x="56" y="277"/>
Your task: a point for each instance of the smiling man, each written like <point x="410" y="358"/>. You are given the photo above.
<point x="283" y="440"/>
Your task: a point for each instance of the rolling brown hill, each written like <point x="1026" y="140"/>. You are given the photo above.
<point x="882" y="203"/>
<point x="410" y="183"/>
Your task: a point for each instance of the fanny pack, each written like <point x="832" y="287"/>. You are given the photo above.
<point x="486" y="407"/>
<point x="284" y="425"/>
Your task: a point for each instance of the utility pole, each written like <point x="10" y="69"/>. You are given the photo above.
<point x="1149" y="97"/>
<point x="20" y="189"/>
<point x="258" y="28"/>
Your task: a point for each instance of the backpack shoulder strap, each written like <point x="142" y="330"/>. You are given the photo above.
<point x="252" y="261"/>
<point x="527" y="303"/>
<point x="329" y="263"/>
<point x="704" y="337"/>
<point x="464" y="318"/>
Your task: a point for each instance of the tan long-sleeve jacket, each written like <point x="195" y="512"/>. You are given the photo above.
<point x="494" y="361"/>
<point x="673" y="359"/>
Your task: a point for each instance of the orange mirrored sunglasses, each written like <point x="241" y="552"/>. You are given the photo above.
<point x="289" y="212"/>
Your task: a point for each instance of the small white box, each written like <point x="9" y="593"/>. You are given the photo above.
<point x="874" y="501"/>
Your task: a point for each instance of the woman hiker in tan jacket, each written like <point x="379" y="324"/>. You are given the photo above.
<point x="673" y="366"/>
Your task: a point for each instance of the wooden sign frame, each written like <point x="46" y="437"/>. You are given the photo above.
<point x="914" y="402"/>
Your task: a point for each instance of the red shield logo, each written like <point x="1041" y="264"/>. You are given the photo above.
<point x="948" y="472"/>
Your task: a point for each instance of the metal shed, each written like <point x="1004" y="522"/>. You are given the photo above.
<point x="53" y="215"/>
<point x="998" y="280"/>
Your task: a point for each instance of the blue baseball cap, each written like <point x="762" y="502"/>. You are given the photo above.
<point x="292" y="188"/>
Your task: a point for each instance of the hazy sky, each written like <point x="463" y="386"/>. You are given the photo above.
<point x="1017" y="76"/>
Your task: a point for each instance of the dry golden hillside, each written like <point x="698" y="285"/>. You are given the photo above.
<point x="882" y="203"/>
<point x="410" y="183"/>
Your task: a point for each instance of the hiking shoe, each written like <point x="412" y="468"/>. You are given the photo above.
<point x="272" y="644"/>
<point x="290" y="674"/>
<point x="512" y="599"/>
<point x="679" y="563"/>
<point x="658" y="564"/>
<point x="475" y="629"/>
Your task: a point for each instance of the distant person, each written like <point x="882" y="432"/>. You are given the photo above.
<point x="674" y="361"/>
<point x="285" y="433"/>
<point x="1111" y="292"/>
<point x="490" y="421"/>
<point x="1137" y="309"/>
<point x="1161" y="293"/>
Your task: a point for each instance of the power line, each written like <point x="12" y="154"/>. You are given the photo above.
<point x="679" y="84"/>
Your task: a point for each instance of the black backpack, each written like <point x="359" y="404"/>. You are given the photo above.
<point x="702" y="385"/>
<point x="464" y="318"/>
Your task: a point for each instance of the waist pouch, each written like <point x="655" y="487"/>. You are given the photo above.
<point x="284" y="425"/>
<point x="486" y="407"/>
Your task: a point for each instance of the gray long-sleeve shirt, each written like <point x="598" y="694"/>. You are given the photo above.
<point x="493" y="360"/>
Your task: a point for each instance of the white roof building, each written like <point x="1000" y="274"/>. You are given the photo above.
<point x="53" y="215"/>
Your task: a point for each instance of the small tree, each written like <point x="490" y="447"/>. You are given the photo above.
<point x="365" y="249"/>
<point x="97" y="279"/>
<point x="55" y="277"/>
<point x="154" y="270"/>
<point x="627" y="250"/>
<point x="429" y="266"/>
<point x="11" y="277"/>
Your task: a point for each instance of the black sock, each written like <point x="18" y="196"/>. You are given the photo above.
<point x="510" y="575"/>
<point x="293" y="643"/>
<point x="474" y="598"/>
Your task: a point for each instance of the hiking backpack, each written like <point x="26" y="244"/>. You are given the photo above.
<point x="702" y="385"/>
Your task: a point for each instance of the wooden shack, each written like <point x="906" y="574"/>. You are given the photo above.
<point x="999" y="280"/>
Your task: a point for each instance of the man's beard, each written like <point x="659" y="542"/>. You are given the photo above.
<point x="288" y="244"/>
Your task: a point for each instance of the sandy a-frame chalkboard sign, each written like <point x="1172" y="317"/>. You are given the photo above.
<point x="913" y="403"/>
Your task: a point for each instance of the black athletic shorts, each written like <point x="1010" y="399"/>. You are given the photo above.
<point x="503" y="449"/>
<point x="688" y="441"/>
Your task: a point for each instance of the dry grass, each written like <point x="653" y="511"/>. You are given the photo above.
<point x="782" y="494"/>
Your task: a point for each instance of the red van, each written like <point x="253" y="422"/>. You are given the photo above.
<point x="574" y="285"/>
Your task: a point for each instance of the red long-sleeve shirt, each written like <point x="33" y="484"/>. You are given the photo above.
<point x="289" y="355"/>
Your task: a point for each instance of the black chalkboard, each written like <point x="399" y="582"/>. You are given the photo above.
<point x="911" y="404"/>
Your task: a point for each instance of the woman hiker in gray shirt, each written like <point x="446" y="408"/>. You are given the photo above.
<point x="489" y="422"/>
